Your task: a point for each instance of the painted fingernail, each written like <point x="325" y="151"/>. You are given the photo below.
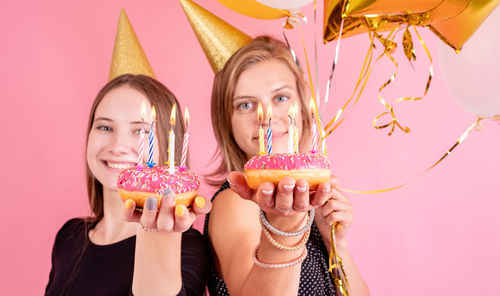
<point x="199" y="202"/>
<point x="327" y="188"/>
<point x="301" y="189"/>
<point x="151" y="203"/>
<point x="267" y="192"/>
<point x="289" y="187"/>
<point x="128" y="204"/>
<point x="167" y="191"/>
<point x="179" y="210"/>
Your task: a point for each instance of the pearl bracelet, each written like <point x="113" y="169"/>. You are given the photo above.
<point x="296" y="247"/>
<point x="278" y="265"/>
<point x="268" y="225"/>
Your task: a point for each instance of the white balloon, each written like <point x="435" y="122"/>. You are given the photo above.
<point x="285" y="4"/>
<point x="473" y="75"/>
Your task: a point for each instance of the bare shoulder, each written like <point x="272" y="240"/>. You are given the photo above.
<point x="234" y="232"/>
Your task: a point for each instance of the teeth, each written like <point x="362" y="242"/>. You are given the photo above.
<point x="120" y="166"/>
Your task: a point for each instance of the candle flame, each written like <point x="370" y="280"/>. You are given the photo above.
<point x="153" y="114"/>
<point x="143" y="110"/>
<point x="269" y="112"/>
<point x="172" y="115"/>
<point x="260" y="113"/>
<point x="186" y="117"/>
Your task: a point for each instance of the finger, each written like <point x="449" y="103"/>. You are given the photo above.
<point x="285" y="194"/>
<point x="239" y="185"/>
<point x="264" y="197"/>
<point x="128" y="210"/>
<point x="182" y="218"/>
<point x="301" y="199"/>
<point x="165" y="220"/>
<point x="334" y="206"/>
<point x="323" y="192"/>
<point x="339" y="195"/>
<point x="201" y="205"/>
<point x="339" y="217"/>
<point x="149" y="213"/>
<point x="334" y="181"/>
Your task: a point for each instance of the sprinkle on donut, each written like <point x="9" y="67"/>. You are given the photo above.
<point x="157" y="179"/>
<point x="288" y="161"/>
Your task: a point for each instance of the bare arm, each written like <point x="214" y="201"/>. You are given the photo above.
<point x="235" y="232"/>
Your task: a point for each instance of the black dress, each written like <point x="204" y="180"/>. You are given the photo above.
<point x="314" y="276"/>
<point x="80" y="267"/>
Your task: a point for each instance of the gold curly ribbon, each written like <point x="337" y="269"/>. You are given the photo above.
<point x="336" y="268"/>
<point x="410" y="54"/>
<point x="373" y="23"/>
<point x="477" y="124"/>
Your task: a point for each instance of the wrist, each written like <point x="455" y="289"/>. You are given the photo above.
<point x="289" y="223"/>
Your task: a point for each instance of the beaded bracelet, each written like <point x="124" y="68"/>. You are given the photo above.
<point x="278" y="265"/>
<point x="268" y="225"/>
<point x="296" y="247"/>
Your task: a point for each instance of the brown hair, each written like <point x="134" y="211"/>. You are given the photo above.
<point x="160" y="97"/>
<point x="258" y="50"/>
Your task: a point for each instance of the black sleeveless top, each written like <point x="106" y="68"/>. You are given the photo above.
<point x="314" y="276"/>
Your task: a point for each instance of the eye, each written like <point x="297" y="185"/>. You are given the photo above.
<point x="103" y="128"/>
<point x="245" y="106"/>
<point x="280" y="99"/>
<point x="137" y="131"/>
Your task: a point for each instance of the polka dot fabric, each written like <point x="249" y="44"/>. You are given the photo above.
<point x="314" y="276"/>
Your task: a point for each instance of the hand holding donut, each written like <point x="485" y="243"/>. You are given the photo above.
<point x="288" y="198"/>
<point x="336" y="210"/>
<point x="169" y="217"/>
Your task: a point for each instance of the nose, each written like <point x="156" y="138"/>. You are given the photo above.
<point x="121" y="144"/>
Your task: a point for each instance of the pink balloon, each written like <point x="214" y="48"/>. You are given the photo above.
<point x="473" y="75"/>
<point x="285" y="4"/>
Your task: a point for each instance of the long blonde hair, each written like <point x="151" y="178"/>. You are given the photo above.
<point x="260" y="49"/>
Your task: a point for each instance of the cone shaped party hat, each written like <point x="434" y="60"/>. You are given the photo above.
<point x="128" y="56"/>
<point x="218" y="39"/>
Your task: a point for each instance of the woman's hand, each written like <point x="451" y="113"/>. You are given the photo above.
<point x="289" y="199"/>
<point x="167" y="218"/>
<point x="336" y="210"/>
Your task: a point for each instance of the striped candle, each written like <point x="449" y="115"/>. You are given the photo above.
<point x="290" y="131"/>
<point x="171" y="142"/>
<point x="185" y="143"/>
<point x="269" y="131"/>
<point x="140" y="153"/>
<point x="141" y="147"/>
<point x="262" y="149"/>
<point x="314" y="138"/>
<point x="295" y="130"/>
<point x="151" y="137"/>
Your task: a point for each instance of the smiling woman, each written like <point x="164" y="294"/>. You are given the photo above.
<point x="106" y="253"/>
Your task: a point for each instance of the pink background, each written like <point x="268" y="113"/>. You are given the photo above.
<point x="439" y="235"/>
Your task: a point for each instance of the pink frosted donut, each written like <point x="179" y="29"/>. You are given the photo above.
<point x="142" y="182"/>
<point x="312" y="167"/>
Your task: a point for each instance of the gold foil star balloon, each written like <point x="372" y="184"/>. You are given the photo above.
<point x="128" y="56"/>
<point x="218" y="39"/>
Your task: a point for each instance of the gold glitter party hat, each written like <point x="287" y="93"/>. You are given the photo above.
<point x="128" y="56"/>
<point x="218" y="39"/>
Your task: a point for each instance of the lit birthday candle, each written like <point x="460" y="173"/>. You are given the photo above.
<point x="295" y="130"/>
<point x="260" y="115"/>
<point x="185" y="143"/>
<point x="314" y="130"/>
<point x="171" y="142"/>
<point x="290" y="130"/>
<point x="269" y="131"/>
<point x="151" y="137"/>
<point x="140" y="153"/>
